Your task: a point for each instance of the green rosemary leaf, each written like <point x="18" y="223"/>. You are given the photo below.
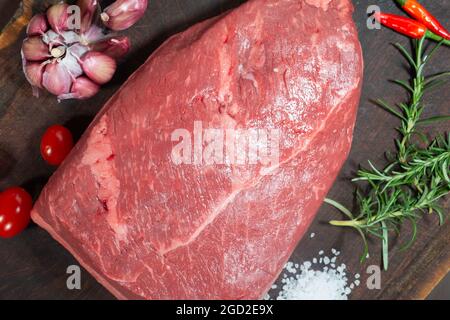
<point x="420" y="72"/>
<point x="376" y="232"/>
<point x="340" y="207"/>
<point x="437" y="76"/>
<point x="405" y="109"/>
<point x="365" y="246"/>
<point x="389" y="168"/>
<point x="388" y="108"/>
<point x="413" y="235"/>
<point x="445" y="166"/>
<point x="405" y="54"/>
<point x="433" y="84"/>
<point x="427" y="57"/>
<point x="395" y="227"/>
<point x="404" y="84"/>
<point x="385" y="245"/>
<point x="432" y="120"/>
<point x="440" y="214"/>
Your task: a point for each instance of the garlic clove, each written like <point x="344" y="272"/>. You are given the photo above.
<point x="56" y="79"/>
<point x="34" y="73"/>
<point x="98" y="66"/>
<point x="88" y="9"/>
<point x="116" y="47"/>
<point x="34" y="49"/>
<point x="82" y="88"/>
<point x="122" y="14"/>
<point x="57" y="16"/>
<point x="37" y="26"/>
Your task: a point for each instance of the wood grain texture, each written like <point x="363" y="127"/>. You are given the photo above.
<point x="34" y="265"/>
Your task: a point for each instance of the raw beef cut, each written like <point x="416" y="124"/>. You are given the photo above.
<point x="147" y="225"/>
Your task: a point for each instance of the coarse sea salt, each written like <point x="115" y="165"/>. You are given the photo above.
<point x="312" y="281"/>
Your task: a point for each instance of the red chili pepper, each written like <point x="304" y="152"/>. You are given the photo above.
<point x="407" y="26"/>
<point x="417" y="11"/>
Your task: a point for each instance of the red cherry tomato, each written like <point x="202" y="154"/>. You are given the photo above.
<point x="15" y="208"/>
<point x="56" y="144"/>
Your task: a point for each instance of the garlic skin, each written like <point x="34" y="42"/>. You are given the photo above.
<point x="72" y="59"/>
<point x="37" y="26"/>
<point x="51" y="38"/>
<point x="122" y="14"/>
<point x="94" y="34"/>
<point x="115" y="47"/>
<point x="98" y="66"/>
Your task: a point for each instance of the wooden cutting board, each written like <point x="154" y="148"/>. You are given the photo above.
<point x="34" y="265"/>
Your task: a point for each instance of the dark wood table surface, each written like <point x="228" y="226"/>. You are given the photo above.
<point x="33" y="265"/>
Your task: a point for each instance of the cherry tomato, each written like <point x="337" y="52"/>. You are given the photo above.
<point x="56" y="144"/>
<point x="15" y="208"/>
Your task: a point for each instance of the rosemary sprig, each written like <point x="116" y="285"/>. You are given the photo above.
<point x="418" y="177"/>
<point x="433" y="161"/>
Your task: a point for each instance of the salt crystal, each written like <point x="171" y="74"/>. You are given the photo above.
<point x="327" y="282"/>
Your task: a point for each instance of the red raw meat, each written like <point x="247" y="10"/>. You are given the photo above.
<point x="146" y="227"/>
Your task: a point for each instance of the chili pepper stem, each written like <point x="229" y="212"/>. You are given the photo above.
<point x="430" y="35"/>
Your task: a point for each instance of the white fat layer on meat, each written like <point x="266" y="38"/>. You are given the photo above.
<point x="96" y="156"/>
